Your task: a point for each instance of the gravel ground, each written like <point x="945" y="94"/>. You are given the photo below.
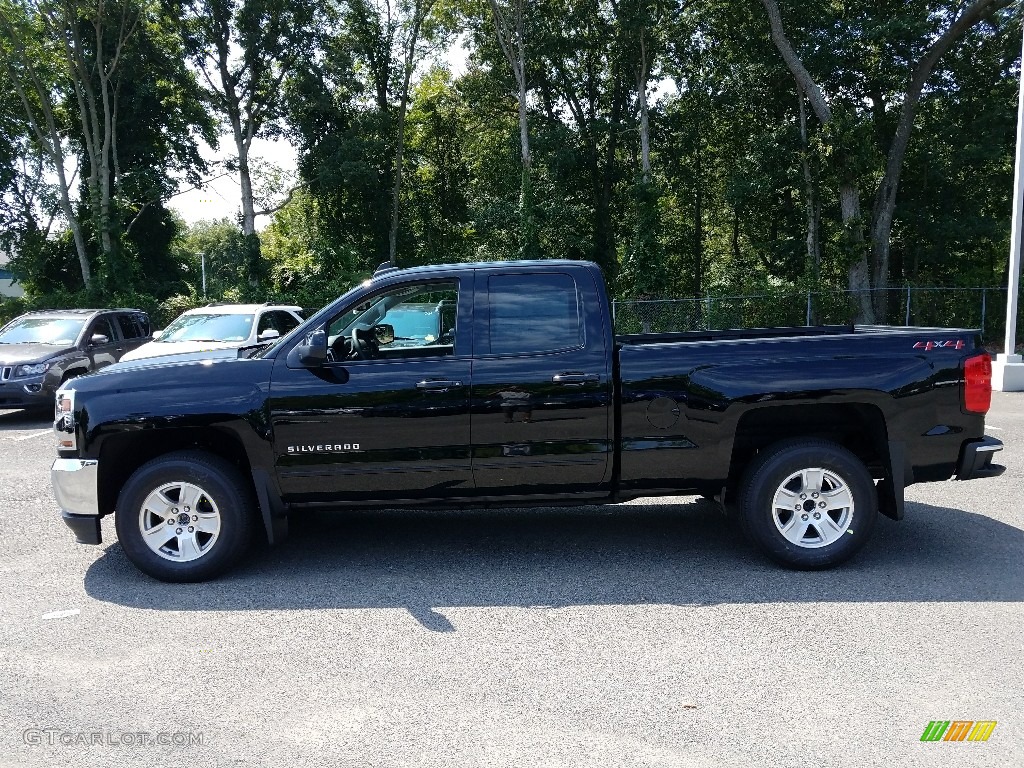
<point x="647" y="634"/>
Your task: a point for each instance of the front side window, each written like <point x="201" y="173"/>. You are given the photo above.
<point x="533" y="313"/>
<point x="42" y="330"/>
<point x="409" y="321"/>
<point x="208" y="327"/>
<point x="101" y="327"/>
<point x="267" y="323"/>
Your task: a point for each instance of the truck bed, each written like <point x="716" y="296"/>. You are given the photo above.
<point x="734" y="333"/>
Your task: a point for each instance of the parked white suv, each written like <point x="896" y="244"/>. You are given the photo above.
<point x="220" y="326"/>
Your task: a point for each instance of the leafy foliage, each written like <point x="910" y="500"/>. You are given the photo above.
<point x="669" y="142"/>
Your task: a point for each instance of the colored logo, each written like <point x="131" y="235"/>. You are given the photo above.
<point x="930" y="345"/>
<point x="958" y="730"/>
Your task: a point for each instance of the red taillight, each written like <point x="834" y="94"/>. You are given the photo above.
<point x="978" y="383"/>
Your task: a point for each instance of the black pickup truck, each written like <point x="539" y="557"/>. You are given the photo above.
<point x="522" y="396"/>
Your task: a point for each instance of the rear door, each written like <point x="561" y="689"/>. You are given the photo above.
<point x="134" y="329"/>
<point x="542" y="385"/>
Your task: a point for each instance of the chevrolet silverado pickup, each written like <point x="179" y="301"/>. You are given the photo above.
<point x="523" y="395"/>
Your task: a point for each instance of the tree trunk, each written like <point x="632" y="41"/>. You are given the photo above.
<point x="872" y="270"/>
<point x="796" y="67"/>
<point x="410" y="64"/>
<point x="515" y="54"/>
<point x="884" y="210"/>
<point x="641" y="89"/>
<point x="859" y="274"/>
<point x="248" y="200"/>
<point x="698" y="223"/>
<point x="810" y="195"/>
<point x="524" y="126"/>
<point x="48" y="133"/>
<point x="736" y="255"/>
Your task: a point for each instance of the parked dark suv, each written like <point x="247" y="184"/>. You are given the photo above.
<point x="41" y="350"/>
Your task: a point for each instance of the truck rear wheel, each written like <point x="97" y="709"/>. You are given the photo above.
<point x="808" y="504"/>
<point x="185" y="517"/>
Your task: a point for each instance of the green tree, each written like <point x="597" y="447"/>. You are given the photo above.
<point x="244" y="50"/>
<point x="897" y="47"/>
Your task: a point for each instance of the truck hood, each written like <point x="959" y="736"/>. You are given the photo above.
<point x="177" y="377"/>
<point x="17" y="354"/>
<point x="172" y="367"/>
<point x="228" y="393"/>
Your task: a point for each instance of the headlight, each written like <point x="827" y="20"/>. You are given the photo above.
<point x="31" y="370"/>
<point x="64" y="420"/>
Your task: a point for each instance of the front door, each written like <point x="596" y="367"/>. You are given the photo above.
<point x="387" y="417"/>
<point x="106" y="350"/>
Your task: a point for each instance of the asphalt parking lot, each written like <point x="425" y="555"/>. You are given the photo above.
<point x="647" y="634"/>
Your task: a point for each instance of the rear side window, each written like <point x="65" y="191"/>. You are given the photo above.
<point x="130" y="328"/>
<point x="533" y="313"/>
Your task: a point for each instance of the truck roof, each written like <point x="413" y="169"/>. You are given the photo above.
<point x="77" y="312"/>
<point x="524" y="264"/>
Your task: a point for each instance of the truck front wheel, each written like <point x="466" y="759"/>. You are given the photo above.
<point x="185" y="517"/>
<point x="808" y="504"/>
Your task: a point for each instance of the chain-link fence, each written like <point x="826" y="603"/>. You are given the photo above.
<point x="983" y="308"/>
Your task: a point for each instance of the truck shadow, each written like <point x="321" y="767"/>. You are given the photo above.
<point x="32" y="418"/>
<point x="675" y="554"/>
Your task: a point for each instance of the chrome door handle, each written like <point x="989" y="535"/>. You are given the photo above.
<point x="575" y="379"/>
<point x="438" y="385"/>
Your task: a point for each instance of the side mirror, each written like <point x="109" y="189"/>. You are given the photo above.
<point x="313" y="351"/>
<point x="97" y="339"/>
<point x="384" y="333"/>
<point x="269" y="335"/>
<point x="157" y="334"/>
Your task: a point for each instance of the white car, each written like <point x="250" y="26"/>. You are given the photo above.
<point x="219" y="327"/>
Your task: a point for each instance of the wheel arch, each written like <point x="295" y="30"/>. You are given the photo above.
<point x="73" y="371"/>
<point x="859" y="427"/>
<point x="122" y="454"/>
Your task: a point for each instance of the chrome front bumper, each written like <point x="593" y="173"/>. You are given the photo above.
<point x="75" y="486"/>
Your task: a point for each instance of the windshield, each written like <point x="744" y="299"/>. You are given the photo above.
<point x="208" y="327"/>
<point x="417" y="322"/>
<point x="42" y="330"/>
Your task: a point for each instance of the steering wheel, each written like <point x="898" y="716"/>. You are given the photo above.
<point x="355" y="346"/>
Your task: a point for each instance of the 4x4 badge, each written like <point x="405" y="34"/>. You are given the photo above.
<point x="930" y="345"/>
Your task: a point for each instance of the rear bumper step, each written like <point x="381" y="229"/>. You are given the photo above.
<point x="976" y="459"/>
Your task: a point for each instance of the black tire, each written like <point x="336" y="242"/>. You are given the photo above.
<point x="838" y="506"/>
<point x="224" y="501"/>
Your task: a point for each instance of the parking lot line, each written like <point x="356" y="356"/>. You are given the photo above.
<point x="30" y="435"/>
